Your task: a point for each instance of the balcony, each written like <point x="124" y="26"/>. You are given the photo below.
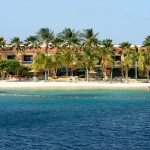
<point x="26" y="62"/>
<point x="134" y="64"/>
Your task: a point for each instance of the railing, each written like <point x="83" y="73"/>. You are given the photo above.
<point x="148" y="67"/>
<point x="26" y="62"/>
<point x="117" y="63"/>
<point x="97" y="65"/>
<point x="134" y="64"/>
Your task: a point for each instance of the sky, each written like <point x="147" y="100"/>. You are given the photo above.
<point x="119" y="20"/>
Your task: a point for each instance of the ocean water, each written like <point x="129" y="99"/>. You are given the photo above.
<point x="74" y="119"/>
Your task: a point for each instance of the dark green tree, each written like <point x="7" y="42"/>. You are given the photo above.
<point x="9" y="66"/>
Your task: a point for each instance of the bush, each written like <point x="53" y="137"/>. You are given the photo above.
<point x="82" y="76"/>
<point x="24" y="72"/>
<point x="142" y="77"/>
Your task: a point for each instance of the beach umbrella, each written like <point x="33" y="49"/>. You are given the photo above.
<point x="92" y="72"/>
<point x="34" y="71"/>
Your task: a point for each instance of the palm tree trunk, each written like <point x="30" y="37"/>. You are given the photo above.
<point x="46" y="49"/>
<point x="111" y="75"/>
<point x="71" y="71"/>
<point x="126" y="75"/>
<point x="136" y="73"/>
<point x="45" y="75"/>
<point x="136" y="70"/>
<point x="55" y="70"/>
<point x="87" y="74"/>
<point x="66" y="72"/>
<point x="48" y="72"/>
<point x="147" y="74"/>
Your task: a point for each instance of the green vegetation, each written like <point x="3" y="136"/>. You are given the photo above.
<point x="8" y="67"/>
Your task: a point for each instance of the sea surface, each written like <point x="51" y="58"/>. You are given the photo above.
<point x="74" y="119"/>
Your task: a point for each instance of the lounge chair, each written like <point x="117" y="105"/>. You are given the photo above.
<point x="35" y="79"/>
<point x="75" y="79"/>
<point x="120" y="79"/>
<point x="105" y="78"/>
<point x="69" y="79"/>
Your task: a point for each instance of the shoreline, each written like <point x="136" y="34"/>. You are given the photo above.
<point x="70" y="85"/>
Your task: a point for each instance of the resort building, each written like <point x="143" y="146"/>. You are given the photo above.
<point x="26" y="57"/>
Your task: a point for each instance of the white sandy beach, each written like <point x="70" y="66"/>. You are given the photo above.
<point x="70" y="85"/>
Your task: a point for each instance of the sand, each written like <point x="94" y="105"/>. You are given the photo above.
<point x="71" y="85"/>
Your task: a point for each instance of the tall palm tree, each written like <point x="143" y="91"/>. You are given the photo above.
<point x="18" y="45"/>
<point x="45" y="36"/>
<point x="90" y="39"/>
<point x="32" y="43"/>
<point x="107" y="54"/>
<point x="146" y="44"/>
<point x="126" y="52"/>
<point x="70" y="44"/>
<point x="2" y="47"/>
<point x="88" y="47"/>
<point x="137" y="59"/>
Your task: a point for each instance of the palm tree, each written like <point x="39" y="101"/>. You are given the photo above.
<point x="88" y="47"/>
<point x="146" y="44"/>
<point x="137" y="59"/>
<point x="126" y="52"/>
<point x="18" y="45"/>
<point x="90" y="39"/>
<point x="107" y="54"/>
<point x="70" y="44"/>
<point x="58" y="63"/>
<point x="2" y="47"/>
<point x="57" y="43"/>
<point x="2" y="43"/>
<point x="45" y="36"/>
<point x="42" y="61"/>
<point x="32" y="43"/>
<point x="87" y="62"/>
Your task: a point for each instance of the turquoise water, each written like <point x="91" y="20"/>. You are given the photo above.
<point x="74" y="119"/>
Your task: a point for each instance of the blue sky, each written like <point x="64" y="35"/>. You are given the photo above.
<point x="119" y="20"/>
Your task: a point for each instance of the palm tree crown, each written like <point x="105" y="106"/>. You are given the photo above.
<point x="45" y="36"/>
<point x="32" y="43"/>
<point x="2" y="43"/>
<point x="15" y="42"/>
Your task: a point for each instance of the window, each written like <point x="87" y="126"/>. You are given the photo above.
<point x="27" y="58"/>
<point x="11" y="57"/>
<point x="99" y="61"/>
<point x="117" y="58"/>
